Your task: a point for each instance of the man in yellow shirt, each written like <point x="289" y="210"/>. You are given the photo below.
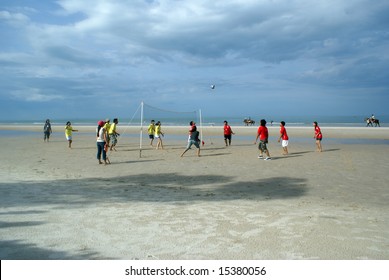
<point x="107" y="124"/>
<point x="151" y="131"/>
<point x="113" y="134"/>
<point x="107" y="127"/>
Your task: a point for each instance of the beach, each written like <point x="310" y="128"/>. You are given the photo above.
<point x="148" y="204"/>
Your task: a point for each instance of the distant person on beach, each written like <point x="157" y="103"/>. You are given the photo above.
<point x="113" y="134"/>
<point x="68" y="133"/>
<point x="158" y="135"/>
<point x="193" y="139"/>
<point x="151" y="131"/>
<point x="263" y="135"/>
<point x="227" y="133"/>
<point x="372" y="121"/>
<point x="284" y="137"/>
<point x="101" y="142"/>
<point x="47" y="131"/>
<point x="318" y="136"/>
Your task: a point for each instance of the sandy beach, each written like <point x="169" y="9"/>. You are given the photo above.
<point x="59" y="203"/>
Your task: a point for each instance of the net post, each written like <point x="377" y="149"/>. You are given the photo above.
<point x="201" y="126"/>
<point x="141" y="130"/>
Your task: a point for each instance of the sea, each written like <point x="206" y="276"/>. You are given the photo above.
<point x="293" y="121"/>
<point x="206" y="121"/>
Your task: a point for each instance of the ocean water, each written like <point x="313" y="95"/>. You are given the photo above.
<point x="185" y="118"/>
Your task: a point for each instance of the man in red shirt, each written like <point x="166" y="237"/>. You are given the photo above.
<point x="263" y="135"/>
<point x="227" y="133"/>
<point x="192" y="127"/>
<point x="284" y="137"/>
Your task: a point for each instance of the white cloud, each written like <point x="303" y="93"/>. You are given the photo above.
<point x="13" y="18"/>
<point x="35" y="95"/>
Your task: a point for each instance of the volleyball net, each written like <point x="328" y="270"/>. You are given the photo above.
<point x="145" y="113"/>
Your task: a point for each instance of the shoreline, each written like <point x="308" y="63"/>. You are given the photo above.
<point x="379" y="133"/>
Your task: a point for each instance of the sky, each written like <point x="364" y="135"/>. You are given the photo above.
<point x="69" y="59"/>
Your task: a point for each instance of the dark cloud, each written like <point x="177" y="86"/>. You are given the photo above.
<point x="253" y="50"/>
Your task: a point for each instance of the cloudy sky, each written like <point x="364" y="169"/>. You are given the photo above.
<point x="91" y="58"/>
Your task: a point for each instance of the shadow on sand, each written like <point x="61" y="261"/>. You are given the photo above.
<point x="164" y="188"/>
<point x="169" y="188"/>
<point x="19" y="250"/>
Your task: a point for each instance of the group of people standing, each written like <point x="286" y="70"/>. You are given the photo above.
<point x="155" y="132"/>
<point x="263" y="135"/>
<point x="107" y="137"/>
<point x="47" y="131"/>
